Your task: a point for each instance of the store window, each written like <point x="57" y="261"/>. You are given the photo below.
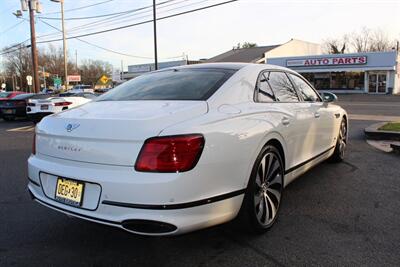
<point x="336" y="80"/>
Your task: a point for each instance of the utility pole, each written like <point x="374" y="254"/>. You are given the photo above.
<point x="64" y="47"/>
<point x="122" y="69"/>
<point x="64" y="43"/>
<point x="36" y="81"/>
<point x="44" y="77"/>
<point x="33" y="6"/>
<point x="155" y="35"/>
<point x="76" y="60"/>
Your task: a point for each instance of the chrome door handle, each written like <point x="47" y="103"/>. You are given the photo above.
<point x="285" y="121"/>
<point x="317" y="115"/>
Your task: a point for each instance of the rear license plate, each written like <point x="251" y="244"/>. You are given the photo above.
<point x="8" y="111"/>
<point x="44" y="107"/>
<point x="69" y="191"/>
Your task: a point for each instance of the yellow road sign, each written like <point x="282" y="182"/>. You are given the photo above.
<point x="104" y="79"/>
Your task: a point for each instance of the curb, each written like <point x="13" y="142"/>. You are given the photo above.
<point x="372" y="132"/>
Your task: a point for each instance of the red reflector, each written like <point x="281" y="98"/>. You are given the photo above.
<point x="34" y="144"/>
<point x="58" y="104"/>
<point x="178" y="153"/>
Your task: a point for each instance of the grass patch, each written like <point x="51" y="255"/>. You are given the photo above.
<point x="391" y="126"/>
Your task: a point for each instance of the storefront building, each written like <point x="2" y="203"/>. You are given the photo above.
<point x="374" y="72"/>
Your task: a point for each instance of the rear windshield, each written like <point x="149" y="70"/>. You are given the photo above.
<point x="22" y="96"/>
<point x="174" y="84"/>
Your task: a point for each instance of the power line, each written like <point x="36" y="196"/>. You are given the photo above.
<point x="107" y="20"/>
<point x="12" y="27"/>
<point x="135" y="24"/>
<point x="79" y="8"/>
<point x="129" y="19"/>
<point x="103" y="48"/>
<point x="143" y="22"/>
<point x="106" y="15"/>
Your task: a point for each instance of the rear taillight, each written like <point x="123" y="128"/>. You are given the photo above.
<point x="62" y="104"/>
<point x="34" y="144"/>
<point x="178" y="153"/>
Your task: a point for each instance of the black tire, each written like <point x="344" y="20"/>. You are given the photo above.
<point x="7" y="118"/>
<point x="35" y="121"/>
<point x="341" y="143"/>
<point x="258" y="218"/>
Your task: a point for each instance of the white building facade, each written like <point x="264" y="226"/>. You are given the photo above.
<point x="373" y="72"/>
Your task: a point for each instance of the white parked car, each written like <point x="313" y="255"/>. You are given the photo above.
<point x="38" y="108"/>
<point x="186" y="148"/>
<point x="80" y="88"/>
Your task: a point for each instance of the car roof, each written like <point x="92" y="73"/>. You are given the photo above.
<point x="230" y="65"/>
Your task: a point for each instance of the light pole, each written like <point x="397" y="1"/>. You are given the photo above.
<point x="64" y="43"/>
<point x="33" y="6"/>
<point x="155" y="35"/>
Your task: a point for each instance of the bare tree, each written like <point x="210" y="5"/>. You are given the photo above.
<point x="92" y="70"/>
<point x="364" y="40"/>
<point x="245" y="45"/>
<point x="16" y="66"/>
<point x="380" y="41"/>
<point x="336" y="46"/>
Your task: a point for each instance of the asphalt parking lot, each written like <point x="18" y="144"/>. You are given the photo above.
<point x="336" y="214"/>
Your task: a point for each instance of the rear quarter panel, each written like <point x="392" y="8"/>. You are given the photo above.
<point x="232" y="144"/>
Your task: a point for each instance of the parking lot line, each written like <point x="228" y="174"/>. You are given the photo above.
<point x="22" y="129"/>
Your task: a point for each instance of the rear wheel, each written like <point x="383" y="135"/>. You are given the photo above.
<point x="341" y="143"/>
<point x="8" y="118"/>
<point x="264" y="193"/>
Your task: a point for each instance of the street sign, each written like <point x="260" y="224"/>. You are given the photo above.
<point x="104" y="79"/>
<point x="45" y="74"/>
<point x="29" y="79"/>
<point x="74" y="78"/>
<point x="57" y="82"/>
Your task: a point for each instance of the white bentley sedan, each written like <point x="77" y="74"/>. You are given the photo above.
<point x="186" y="148"/>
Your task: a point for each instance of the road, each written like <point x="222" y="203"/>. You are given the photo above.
<point x="337" y="214"/>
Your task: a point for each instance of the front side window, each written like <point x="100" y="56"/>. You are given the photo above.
<point x="305" y="90"/>
<point x="264" y="92"/>
<point x="172" y="84"/>
<point x="282" y="87"/>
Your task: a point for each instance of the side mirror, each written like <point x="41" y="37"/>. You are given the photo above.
<point x="329" y="97"/>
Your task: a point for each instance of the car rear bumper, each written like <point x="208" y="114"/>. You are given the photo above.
<point x="14" y="112"/>
<point x="147" y="219"/>
<point x="38" y="115"/>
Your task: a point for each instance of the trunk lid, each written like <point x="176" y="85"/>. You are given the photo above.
<point x="110" y="132"/>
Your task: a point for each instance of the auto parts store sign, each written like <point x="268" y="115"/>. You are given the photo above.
<point x="326" y="61"/>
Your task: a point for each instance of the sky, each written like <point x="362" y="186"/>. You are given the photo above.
<point x="201" y="34"/>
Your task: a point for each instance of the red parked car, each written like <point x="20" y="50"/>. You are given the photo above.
<point x="8" y="95"/>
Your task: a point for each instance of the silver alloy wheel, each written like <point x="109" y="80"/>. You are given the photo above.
<point x="267" y="196"/>
<point x="342" y="138"/>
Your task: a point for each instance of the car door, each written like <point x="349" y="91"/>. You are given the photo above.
<point x="323" y="119"/>
<point x="286" y="105"/>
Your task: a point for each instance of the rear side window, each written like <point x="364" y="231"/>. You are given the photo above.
<point x="264" y="92"/>
<point x="177" y="84"/>
<point x="304" y="89"/>
<point x="282" y="87"/>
